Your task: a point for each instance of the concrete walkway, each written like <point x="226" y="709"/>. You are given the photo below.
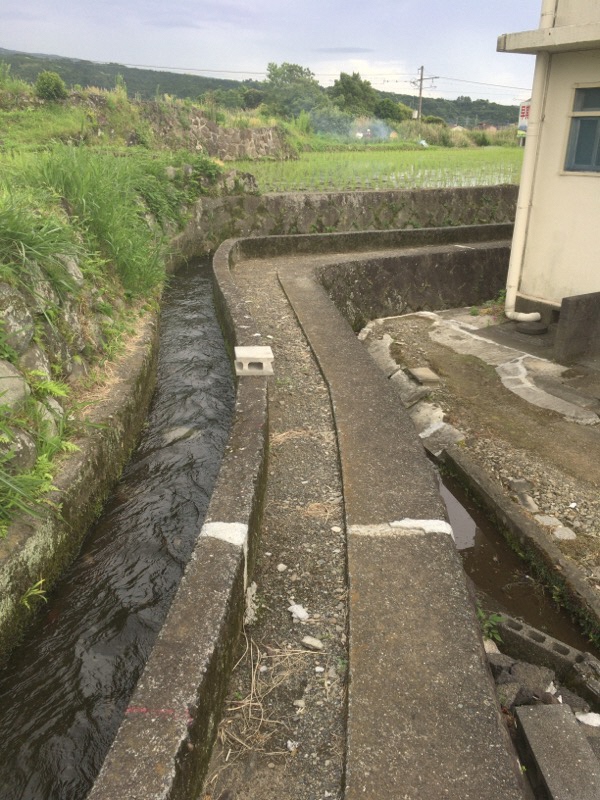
<point x="423" y="720"/>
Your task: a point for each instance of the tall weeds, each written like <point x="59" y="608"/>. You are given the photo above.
<point x="100" y="191"/>
<point x="29" y="234"/>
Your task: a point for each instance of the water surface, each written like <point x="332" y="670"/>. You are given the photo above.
<point x="63" y="694"/>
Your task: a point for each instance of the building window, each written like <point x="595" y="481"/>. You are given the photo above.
<point x="583" y="152"/>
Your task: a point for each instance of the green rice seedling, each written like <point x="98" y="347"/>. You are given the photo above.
<point x="399" y="169"/>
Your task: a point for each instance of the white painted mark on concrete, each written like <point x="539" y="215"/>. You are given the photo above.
<point x="424" y="525"/>
<point x="235" y="533"/>
<point x="416" y="527"/>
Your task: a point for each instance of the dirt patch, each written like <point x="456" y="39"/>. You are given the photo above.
<point x="510" y="438"/>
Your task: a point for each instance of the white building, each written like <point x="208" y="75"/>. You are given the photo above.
<point x="556" y="243"/>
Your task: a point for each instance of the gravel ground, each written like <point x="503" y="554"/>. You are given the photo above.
<point x="283" y="732"/>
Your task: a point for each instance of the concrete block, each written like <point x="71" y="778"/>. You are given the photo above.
<point x="410" y="393"/>
<point x="439" y="436"/>
<point x="584" y="678"/>
<point x="578" y="332"/>
<point x="425" y="376"/>
<point x="525" y="643"/>
<point x="255" y="360"/>
<point x="563" y="533"/>
<point x="548" y="521"/>
<point x="424" y="415"/>
<point x="556" y="748"/>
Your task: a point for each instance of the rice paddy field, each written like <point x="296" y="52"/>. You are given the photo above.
<point x="389" y="169"/>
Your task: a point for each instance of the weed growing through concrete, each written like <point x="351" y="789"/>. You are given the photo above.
<point x="489" y="624"/>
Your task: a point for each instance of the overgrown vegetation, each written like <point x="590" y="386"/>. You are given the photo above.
<point x="83" y="231"/>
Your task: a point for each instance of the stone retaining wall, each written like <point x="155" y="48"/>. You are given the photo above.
<point x="180" y="126"/>
<point x="220" y="218"/>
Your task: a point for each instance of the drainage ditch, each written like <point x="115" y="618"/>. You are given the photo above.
<point x="64" y="691"/>
<point x="501" y="580"/>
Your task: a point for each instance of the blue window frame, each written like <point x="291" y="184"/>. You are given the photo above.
<point x="583" y="150"/>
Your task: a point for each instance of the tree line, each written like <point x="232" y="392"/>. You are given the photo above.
<point x="288" y="91"/>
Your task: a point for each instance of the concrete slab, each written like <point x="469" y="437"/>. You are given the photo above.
<point x="425" y="376"/>
<point x="410" y="393"/>
<point x="559" y="752"/>
<point x="514" y="367"/>
<point x="423" y="721"/>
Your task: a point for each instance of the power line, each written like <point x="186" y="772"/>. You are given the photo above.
<point x="384" y="76"/>
<point x="381" y="77"/>
<point x="480" y="83"/>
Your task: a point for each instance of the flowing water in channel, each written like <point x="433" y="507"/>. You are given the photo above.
<point x="63" y="694"/>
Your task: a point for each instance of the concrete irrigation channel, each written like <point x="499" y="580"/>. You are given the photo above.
<point x="399" y="546"/>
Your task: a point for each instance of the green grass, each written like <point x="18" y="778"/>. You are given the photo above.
<point x="29" y="127"/>
<point x="389" y="169"/>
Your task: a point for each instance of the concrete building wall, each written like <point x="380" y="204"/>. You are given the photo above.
<point x="562" y="250"/>
<point x="576" y="12"/>
<point x="557" y="236"/>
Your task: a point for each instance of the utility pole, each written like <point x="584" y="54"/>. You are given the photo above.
<point x="420" y="111"/>
<point x="419" y="83"/>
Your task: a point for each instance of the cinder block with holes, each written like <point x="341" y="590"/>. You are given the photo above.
<point x="255" y="360"/>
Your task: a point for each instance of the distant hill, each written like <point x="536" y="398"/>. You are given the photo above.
<point x="462" y="111"/>
<point x="147" y="83"/>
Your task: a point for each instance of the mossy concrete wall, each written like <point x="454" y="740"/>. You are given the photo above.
<point x="421" y="279"/>
<point x="220" y="218"/>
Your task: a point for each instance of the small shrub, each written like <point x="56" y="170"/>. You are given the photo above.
<point x="480" y="138"/>
<point x="50" y="86"/>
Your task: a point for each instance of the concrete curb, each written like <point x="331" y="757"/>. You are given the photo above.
<point x="392" y="567"/>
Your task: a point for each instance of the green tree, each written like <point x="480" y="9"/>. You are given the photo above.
<point x="50" y="86"/>
<point x="394" y="112"/>
<point x="252" y="98"/>
<point x="290" y="89"/>
<point x="353" y="94"/>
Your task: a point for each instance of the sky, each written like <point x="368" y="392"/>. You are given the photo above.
<point x="386" y="41"/>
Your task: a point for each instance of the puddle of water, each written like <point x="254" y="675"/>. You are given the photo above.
<point x="64" y="691"/>
<point x="500" y="575"/>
